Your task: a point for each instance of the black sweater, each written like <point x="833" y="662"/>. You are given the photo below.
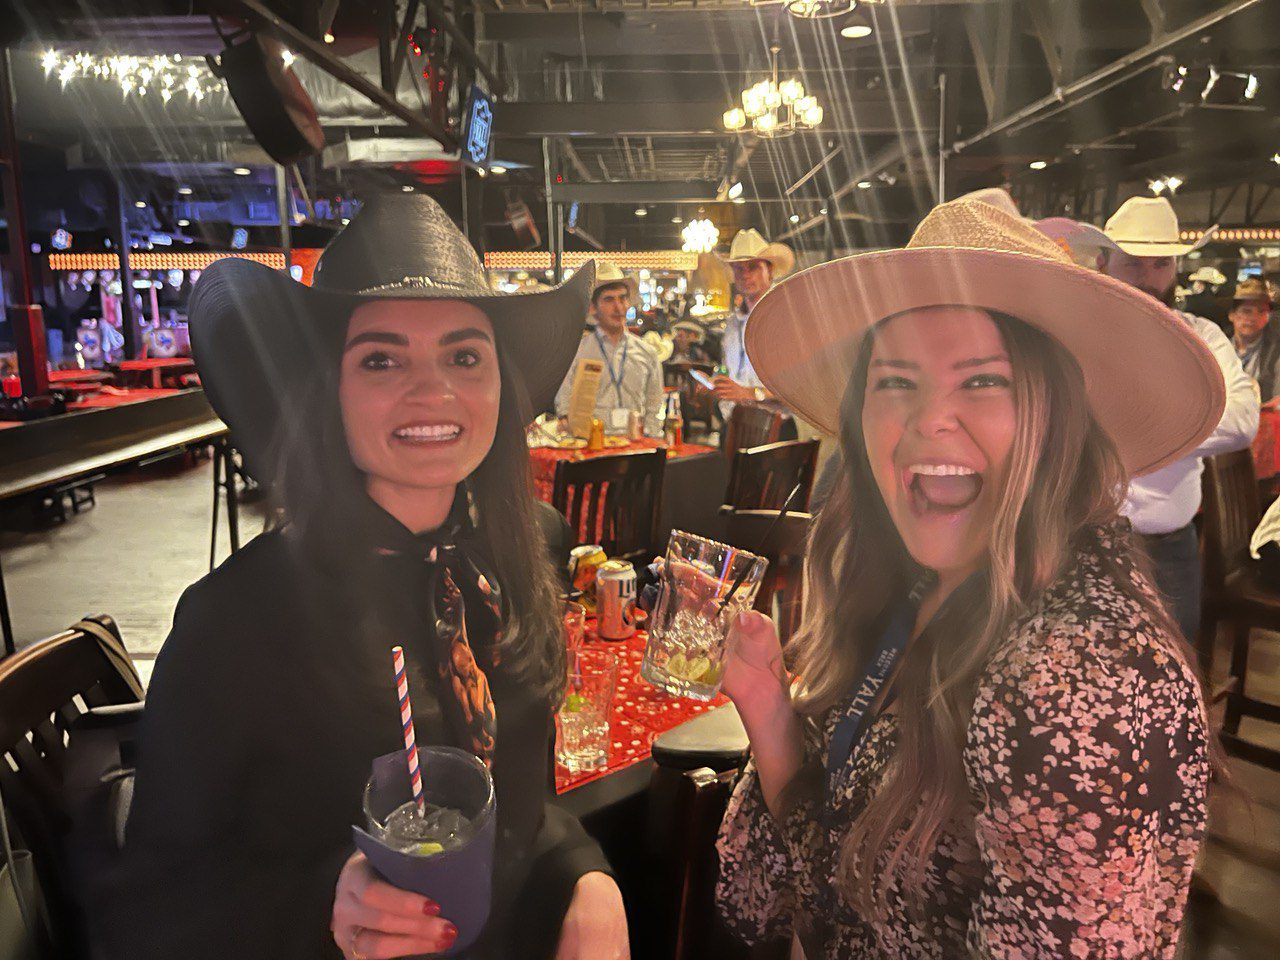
<point x="269" y="699"/>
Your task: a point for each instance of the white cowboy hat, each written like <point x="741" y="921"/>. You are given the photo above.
<point x="608" y="274"/>
<point x="1157" y="400"/>
<point x="662" y="346"/>
<point x="1210" y="275"/>
<point x="1146" y="227"/>
<point x="697" y="329"/>
<point x="749" y="245"/>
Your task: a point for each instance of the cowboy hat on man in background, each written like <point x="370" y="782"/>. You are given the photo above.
<point x="756" y="264"/>
<point x="1257" y="343"/>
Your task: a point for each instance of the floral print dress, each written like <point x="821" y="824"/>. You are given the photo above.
<point x="1087" y="764"/>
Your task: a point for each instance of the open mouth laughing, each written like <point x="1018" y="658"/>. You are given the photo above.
<point x="941" y="488"/>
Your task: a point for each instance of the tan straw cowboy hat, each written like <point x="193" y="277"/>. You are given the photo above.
<point x="1158" y="396"/>
<point x="1255" y="288"/>
<point x="609" y="274"/>
<point x="749" y="245"/>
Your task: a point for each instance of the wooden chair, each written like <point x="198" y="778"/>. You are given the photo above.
<point x="615" y="501"/>
<point x="762" y="477"/>
<point x="781" y="593"/>
<point x="750" y="425"/>
<point x="56" y="700"/>
<point x="1235" y="593"/>
<point x="696" y="766"/>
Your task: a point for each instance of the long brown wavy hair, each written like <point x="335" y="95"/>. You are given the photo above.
<point x="1065" y="479"/>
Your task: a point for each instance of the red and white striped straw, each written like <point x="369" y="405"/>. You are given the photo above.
<point x="406" y="721"/>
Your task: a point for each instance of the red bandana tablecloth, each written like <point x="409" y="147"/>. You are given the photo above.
<point x="640" y="713"/>
<point x="544" y="459"/>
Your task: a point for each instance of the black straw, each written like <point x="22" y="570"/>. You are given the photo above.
<point x="786" y="505"/>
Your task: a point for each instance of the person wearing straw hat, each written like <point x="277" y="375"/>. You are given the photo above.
<point x="1140" y="246"/>
<point x="995" y="743"/>
<point x="387" y="406"/>
<point x="633" y="372"/>
<point x="688" y="338"/>
<point x="756" y="264"/>
<point x="1256" y="341"/>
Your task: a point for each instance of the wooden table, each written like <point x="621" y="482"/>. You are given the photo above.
<point x="155" y="368"/>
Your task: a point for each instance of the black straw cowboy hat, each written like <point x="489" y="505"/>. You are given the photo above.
<point x="258" y="337"/>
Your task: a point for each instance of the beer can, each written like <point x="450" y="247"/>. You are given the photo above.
<point x="596" y="440"/>
<point x="616" y="600"/>
<point x="635" y="425"/>
<point x="584" y="561"/>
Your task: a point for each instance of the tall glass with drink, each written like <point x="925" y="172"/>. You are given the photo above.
<point x="582" y="723"/>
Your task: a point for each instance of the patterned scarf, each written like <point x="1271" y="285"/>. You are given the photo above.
<point x="465" y="606"/>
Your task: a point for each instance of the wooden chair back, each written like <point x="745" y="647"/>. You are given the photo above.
<point x="44" y="690"/>
<point x="1231" y="513"/>
<point x="615" y="501"/>
<point x="762" y="477"/>
<point x="781" y="593"/>
<point x="750" y="425"/>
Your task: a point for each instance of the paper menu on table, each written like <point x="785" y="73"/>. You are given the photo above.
<point x="582" y="398"/>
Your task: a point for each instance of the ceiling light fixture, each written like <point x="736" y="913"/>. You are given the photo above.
<point x="1038" y="164"/>
<point x="641" y="212"/>
<point x="140" y="204"/>
<point x="855" y="28"/>
<point x="794" y="218"/>
<point x="1275" y="157"/>
<point x="407" y="189"/>
<point x="184" y="223"/>
<point x="328" y="37"/>
<point x="700" y="236"/>
<point x="735" y="190"/>
<point x="819" y="9"/>
<point x="184" y="191"/>
<point x="164" y="76"/>
<point x="677" y="219"/>
<point x="242" y="171"/>
<point x="775" y="109"/>
<point x="864" y="184"/>
<point x="498" y="169"/>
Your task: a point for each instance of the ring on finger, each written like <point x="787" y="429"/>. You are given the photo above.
<point x="355" y="938"/>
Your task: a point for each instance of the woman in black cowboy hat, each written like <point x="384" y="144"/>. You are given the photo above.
<point x="388" y="405"/>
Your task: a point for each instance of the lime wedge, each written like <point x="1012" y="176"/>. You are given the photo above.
<point x="428" y="848"/>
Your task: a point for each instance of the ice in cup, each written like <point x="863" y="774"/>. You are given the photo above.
<point x="582" y="722"/>
<point x="575" y="625"/>
<point x="460" y="821"/>
<point x="690" y="623"/>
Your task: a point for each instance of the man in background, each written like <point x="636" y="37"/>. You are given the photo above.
<point x="1257" y="343"/>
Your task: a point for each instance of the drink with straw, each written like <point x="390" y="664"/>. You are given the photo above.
<point x="703" y="587"/>
<point x="430" y="816"/>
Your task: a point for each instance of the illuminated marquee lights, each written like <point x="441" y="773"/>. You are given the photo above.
<point x="669" y="260"/>
<point x="156" y="261"/>
<point x="1238" y="234"/>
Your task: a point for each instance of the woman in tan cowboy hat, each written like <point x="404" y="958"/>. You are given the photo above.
<point x="987" y="738"/>
<point x="388" y="403"/>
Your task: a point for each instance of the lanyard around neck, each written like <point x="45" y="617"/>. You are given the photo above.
<point x="622" y="365"/>
<point x="742" y="349"/>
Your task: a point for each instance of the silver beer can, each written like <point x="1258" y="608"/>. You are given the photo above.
<point x="635" y="425"/>
<point x="616" y="600"/>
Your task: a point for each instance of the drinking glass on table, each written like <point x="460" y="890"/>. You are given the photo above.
<point x="582" y="723"/>
<point x="696" y="606"/>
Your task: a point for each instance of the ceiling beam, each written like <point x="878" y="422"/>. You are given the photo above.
<point x="975" y="27"/>
<point x="635" y="191"/>
<point x="1155" y="17"/>
<point x="870" y="114"/>
<point x="1000" y="68"/>
<point x="1043" y="27"/>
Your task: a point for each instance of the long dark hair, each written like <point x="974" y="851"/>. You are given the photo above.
<point x="315" y="474"/>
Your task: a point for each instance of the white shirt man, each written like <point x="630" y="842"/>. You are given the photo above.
<point x="1142" y="250"/>
<point x="632" y="379"/>
<point x="756" y="264"/>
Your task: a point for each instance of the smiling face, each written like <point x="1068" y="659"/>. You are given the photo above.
<point x="938" y="421"/>
<point x="419" y="389"/>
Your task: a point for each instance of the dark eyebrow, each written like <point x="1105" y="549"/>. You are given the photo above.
<point x="466" y="333"/>
<point x="981" y="361"/>
<point x="374" y="336"/>
<point x="962" y="365"/>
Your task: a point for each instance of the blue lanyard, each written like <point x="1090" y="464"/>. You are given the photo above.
<point x="742" y="349"/>
<point x="622" y="365"/>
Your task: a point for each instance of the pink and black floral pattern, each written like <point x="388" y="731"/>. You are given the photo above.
<point x="1087" y="763"/>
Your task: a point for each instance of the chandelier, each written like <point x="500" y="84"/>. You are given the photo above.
<point x="700" y="236"/>
<point x="775" y="109"/>
<point x="819" y="9"/>
<point x="162" y="76"/>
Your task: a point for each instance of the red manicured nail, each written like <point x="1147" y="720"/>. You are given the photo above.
<point x="431" y="908"/>
<point x="450" y="935"/>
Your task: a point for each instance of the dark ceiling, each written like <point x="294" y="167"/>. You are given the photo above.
<point x="618" y="103"/>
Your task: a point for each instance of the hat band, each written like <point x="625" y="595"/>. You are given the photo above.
<point x="407" y="283"/>
<point x="1175" y="242"/>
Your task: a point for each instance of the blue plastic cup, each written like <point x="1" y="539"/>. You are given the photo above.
<point x="460" y="880"/>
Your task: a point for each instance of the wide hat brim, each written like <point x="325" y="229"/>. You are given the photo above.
<point x="1145" y="248"/>
<point x="631" y="283"/>
<point x="1152" y="384"/>
<point x="258" y="337"/>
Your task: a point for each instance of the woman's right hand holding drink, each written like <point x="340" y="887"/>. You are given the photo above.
<point x="756" y="680"/>
<point x="372" y="920"/>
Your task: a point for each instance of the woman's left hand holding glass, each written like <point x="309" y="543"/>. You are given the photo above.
<point x="595" y="925"/>
<point x="373" y="920"/>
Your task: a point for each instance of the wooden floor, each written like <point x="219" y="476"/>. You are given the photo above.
<point x="148" y="538"/>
